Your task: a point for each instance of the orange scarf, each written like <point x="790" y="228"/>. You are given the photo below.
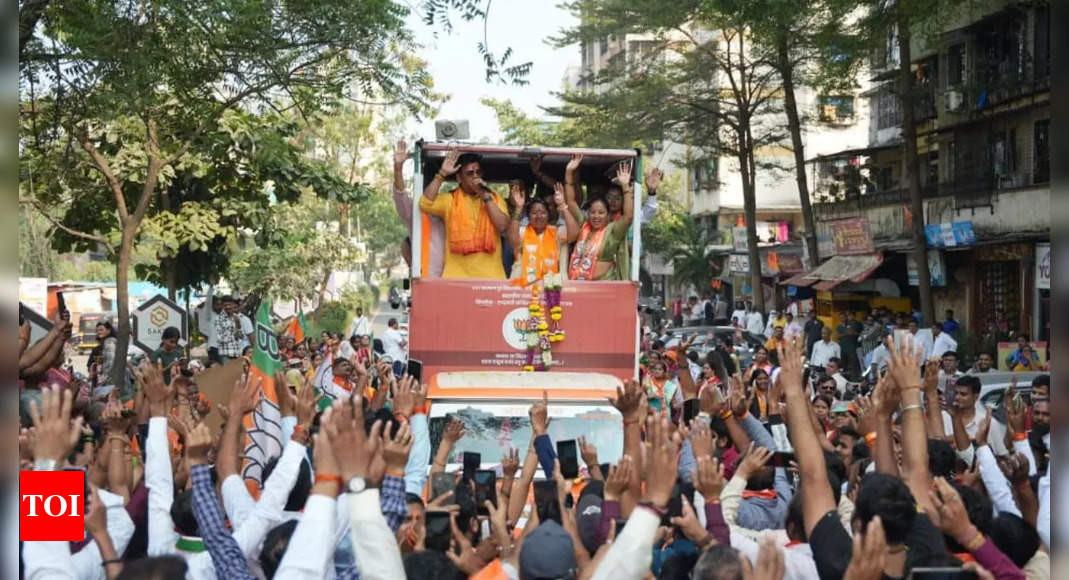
<point x="468" y="233"/>
<point x="763" y="494"/>
<point x="587" y="251"/>
<point x="540" y="255"/>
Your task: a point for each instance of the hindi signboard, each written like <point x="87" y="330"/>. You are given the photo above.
<point x="152" y="317"/>
<point x="468" y="335"/>
<point x="852" y="237"/>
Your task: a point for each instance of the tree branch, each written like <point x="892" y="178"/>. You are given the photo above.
<point x="76" y="233"/>
<point x="104" y="167"/>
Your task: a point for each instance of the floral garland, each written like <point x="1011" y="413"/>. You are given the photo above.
<point x="540" y="333"/>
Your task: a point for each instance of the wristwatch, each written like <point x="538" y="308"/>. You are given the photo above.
<point x="356" y="485"/>
<point x="487" y="197"/>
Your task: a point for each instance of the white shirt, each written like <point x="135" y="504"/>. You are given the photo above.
<point x="308" y="555"/>
<point x="394" y="344"/>
<point x="251" y="525"/>
<point x="755" y="323"/>
<point x="823" y="351"/>
<point x="632" y="551"/>
<point x="943" y="343"/>
<point x="360" y="327"/>
<point x="740" y="316"/>
<point x="697" y="312"/>
<point x="972" y="425"/>
<point x="793" y="329"/>
<point x="375" y="547"/>
<point x="246" y="330"/>
<point x="798" y="563"/>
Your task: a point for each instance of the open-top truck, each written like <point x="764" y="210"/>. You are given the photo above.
<point x="469" y="334"/>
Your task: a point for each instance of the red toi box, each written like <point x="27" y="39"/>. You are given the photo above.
<point x="51" y="506"/>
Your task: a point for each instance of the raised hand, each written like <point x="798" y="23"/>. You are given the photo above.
<point x="54" y="435"/>
<point x="454" y="431"/>
<point x="954" y="519"/>
<point x="287" y="402"/>
<point x="198" y="445"/>
<point x="623" y="175"/>
<point x="755" y="458"/>
<point x="630" y="401"/>
<point x="653" y="180"/>
<point x="96" y="513"/>
<point x="574" y="162"/>
<point x="886" y="397"/>
<point x="867" y="421"/>
<point x="739" y="402"/>
<point x="869" y="553"/>
<point x="769" y="564"/>
<point x="510" y="464"/>
<point x="558" y="197"/>
<point x="306" y="406"/>
<point x="903" y="364"/>
<point x="449" y="164"/>
<point x="662" y="452"/>
<point x="588" y="451"/>
<point x="517" y="196"/>
<point x="701" y="439"/>
<point x="400" y="153"/>
<point x="395" y="449"/>
<point x="790" y="366"/>
<point x="404" y="401"/>
<point x="344" y="425"/>
<point x="539" y="414"/>
<point x="158" y="393"/>
<point x="708" y="478"/>
<point x="1016" y="412"/>
<point x="619" y="478"/>
<point x="709" y="401"/>
<point x="245" y="396"/>
<point x="1015" y="468"/>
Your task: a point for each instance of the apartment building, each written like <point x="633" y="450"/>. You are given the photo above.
<point x="984" y="142"/>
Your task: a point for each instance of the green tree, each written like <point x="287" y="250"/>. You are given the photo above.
<point x="712" y="87"/>
<point x="117" y="98"/>
<point x="305" y="247"/>
<point x="677" y="235"/>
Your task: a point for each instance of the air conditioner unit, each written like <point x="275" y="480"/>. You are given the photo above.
<point x="953" y="101"/>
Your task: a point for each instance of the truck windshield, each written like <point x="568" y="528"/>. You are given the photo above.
<point x="491" y="434"/>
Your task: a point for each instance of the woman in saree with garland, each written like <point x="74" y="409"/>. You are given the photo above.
<point x="538" y="245"/>
<point x="594" y="256"/>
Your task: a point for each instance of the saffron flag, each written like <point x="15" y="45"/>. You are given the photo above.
<point x="297" y="327"/>
<point x="263" y="427"/>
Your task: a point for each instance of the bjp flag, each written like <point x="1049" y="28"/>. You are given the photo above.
<point x="296" y="327"/>
<point x="263" y="427"/>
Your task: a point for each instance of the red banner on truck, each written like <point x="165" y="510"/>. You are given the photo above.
<point x="469" y="336"/>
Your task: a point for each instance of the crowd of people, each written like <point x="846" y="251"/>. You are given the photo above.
<point x="728" y="471"/>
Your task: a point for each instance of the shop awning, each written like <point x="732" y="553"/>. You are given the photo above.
<point x="837" y="270"/>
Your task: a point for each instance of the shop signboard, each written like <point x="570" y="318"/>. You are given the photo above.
<point x="950" y="235"/>
<point x="152" y="317"/>
<point x="738" y="239"/>
<point x="1043" y="266"/>
<point x="936" y="267"/>
<point x="852" y="237"/>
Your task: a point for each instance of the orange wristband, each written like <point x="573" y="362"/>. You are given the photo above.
<point x="1020" y="436"/>
<point x="321" y="477"/>
<point x="725" y="414"/>
<point x="870" y="439"/>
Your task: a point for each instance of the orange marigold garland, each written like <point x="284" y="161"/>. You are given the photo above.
<point x="542" y="330"/>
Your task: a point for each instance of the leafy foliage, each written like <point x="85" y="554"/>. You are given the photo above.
<point x="438" y="14"/>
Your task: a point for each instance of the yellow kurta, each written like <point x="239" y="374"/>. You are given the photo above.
<point x="479" y="265"/>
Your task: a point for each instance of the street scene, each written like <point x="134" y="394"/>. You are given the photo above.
<point x="382" y="289"/>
